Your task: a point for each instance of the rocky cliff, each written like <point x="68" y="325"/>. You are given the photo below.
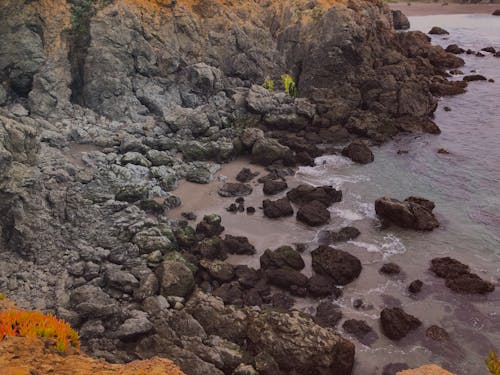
<point x="103" y="112"/>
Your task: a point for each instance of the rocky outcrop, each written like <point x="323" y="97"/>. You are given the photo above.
<point x="101" y="120"/>
<point x="459" y="278"/>
<point x="414" y="212"/>
<point x="24" y="356"/>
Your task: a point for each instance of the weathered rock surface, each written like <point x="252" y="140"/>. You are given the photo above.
<point x="303" y="194"/>
<point x="399" y="20"/>
<point x="278" y="208"/>
<point x="314" y="214"/>
<point x="358" y="152"/>
<point x="339" y="265"/>
<point x="99" y="122"/>
<point x="414" y="212"/>
<point x="396" y="323"/>
<point x="459" y="278"/>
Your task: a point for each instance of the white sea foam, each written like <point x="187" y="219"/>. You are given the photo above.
<point x="347" y="214"/>
<point x="391" y="245"/>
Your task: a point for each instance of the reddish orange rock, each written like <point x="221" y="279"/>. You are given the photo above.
<point x="27" y="356"/>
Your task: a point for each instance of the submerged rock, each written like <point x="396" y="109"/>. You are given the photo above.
<point x="436" y="30"/>
<point x="328" y="314"/>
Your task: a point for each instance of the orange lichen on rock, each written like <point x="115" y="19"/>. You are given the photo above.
<point x="26" y="356"/>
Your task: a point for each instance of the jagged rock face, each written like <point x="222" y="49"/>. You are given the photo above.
<point x="194" y="62"/>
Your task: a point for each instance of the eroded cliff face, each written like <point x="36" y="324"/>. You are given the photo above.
<point x="98" y="126"/>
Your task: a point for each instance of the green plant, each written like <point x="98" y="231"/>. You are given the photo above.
<point x="493" y="363"/>
<point x="269" y="85"/>
<point x="83" y="10"/>
<point x="289" y="85"/>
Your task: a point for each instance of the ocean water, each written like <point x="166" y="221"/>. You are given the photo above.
<point x="465" y="185"/>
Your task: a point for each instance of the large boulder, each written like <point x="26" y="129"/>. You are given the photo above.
<point x="265" y="151"/>
<point x="396" y="323"/>
<point x="414" y="212"/>
<point x="303" y="194"/>
<point x="278" y="208"/>
<point x="175" y="279"/>
<point x="459" y="278"/>
<point x="284" y="256"/>
<point x="298" y="345"/>
<point x="313" y="214"/>
<point x="358" y="152"/>
<point x="272" y="187"/>
<point x="339" y="265"/>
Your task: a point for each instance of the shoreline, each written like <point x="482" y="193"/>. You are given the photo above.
<point x="433" y="9"/>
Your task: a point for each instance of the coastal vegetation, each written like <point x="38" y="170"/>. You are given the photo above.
<point x="21" y="323"/>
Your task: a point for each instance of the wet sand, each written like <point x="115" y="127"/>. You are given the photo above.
<point x="428" y="9"/>
<point x="262" y="232"/>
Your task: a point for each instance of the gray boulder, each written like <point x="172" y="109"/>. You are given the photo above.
<point x="175" y="279"/>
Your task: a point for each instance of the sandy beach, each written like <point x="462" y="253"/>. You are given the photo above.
<point x="428" y="9"/>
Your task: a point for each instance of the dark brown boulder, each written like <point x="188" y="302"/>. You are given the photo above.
<point x="303" y="194"/>
<point x="415" y="286"/>
<point x="361" y="330"/>
<point x="455" y="49"/>
<point x="489" y="49"/>
<point x="447" y="88"/>
<point x="328" y="314"/>
<point x="313" y="214"/>
<point x="390" y="269"/>
<point x="436" y="30"/>
<point x="339" y="265"/>
<point x="284" y="256"/>
<point x="322" y="286"/>
<point x="415" y="213"/>
<point x="272" y="187"/>
<point x="358" y="152"/>
<point x="286" y="278"/>
<point x="247" y="277"/>
<point x="246" y="175"/>
<point x="496" y="12"/>
<point x="396" y="323"/>
<point x="459" y="278"/>
<point x="474" y="77"/>
<point x="278" y="208"/>
<point x="344" y="234"/>
<point x="237" y="245"/>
